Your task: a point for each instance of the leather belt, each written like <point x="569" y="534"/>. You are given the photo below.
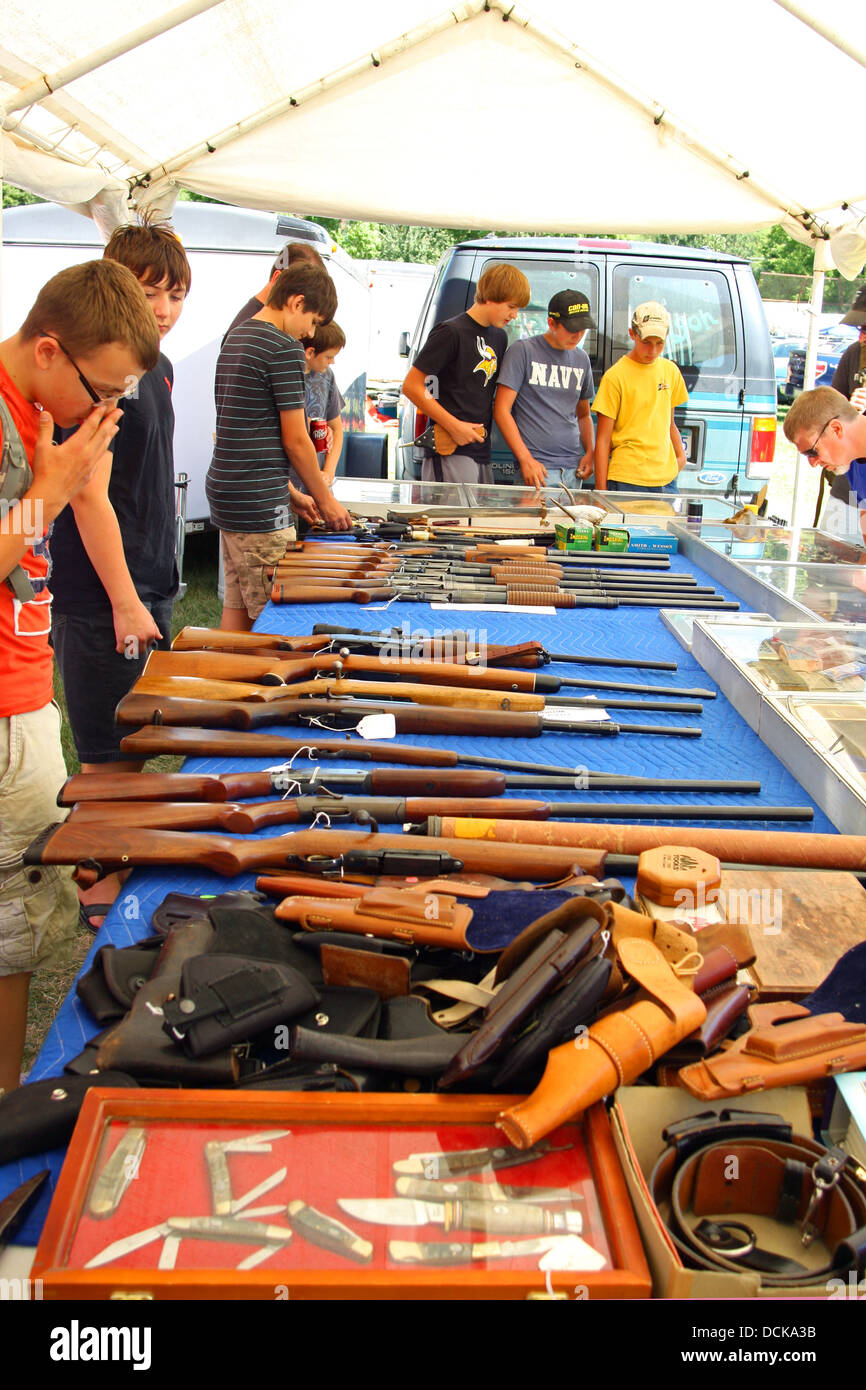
<point x="742" y="1163"/>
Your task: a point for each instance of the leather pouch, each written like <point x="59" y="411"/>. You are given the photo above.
<point x="178" y="908"/>
<point x="423" y="1056"/>
<point x="725" y="1004"/>
<point x="229" y="999"/>
<point x="110" y="985"/>
<point x="786" y="1046"/>
<point x="557" y="1020"/>
<point x="138" y="1045"/>
<point x="387" y="975"/>
<point x="41" y="1116"/>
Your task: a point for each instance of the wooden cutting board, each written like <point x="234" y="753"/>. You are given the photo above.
<point x="801" y="922"/>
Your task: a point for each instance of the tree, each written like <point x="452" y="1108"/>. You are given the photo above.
<point x="17" y="197"/>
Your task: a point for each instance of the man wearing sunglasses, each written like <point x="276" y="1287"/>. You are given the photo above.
<point x="831" y="433"/>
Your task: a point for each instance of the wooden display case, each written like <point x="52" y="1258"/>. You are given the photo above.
<point x="143" y="1163"/>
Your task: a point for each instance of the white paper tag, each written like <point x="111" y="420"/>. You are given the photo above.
<point x="491" y="608"/>
<point x="561" y="714"/>
<point x="377" y="726"/>
<point x="572" y="1252"/>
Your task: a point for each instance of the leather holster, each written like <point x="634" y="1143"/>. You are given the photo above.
<point x="786" y="1046"/>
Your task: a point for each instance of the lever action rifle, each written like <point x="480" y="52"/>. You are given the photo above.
<point x="138" y="708"/>
<point x="236" y="819"/>
<point x="452" y="647"/>
<point x="316" y="674"/>
<point x="154" y="740"/>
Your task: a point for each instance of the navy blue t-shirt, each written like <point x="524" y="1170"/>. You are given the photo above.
<point x="141" y="491"/>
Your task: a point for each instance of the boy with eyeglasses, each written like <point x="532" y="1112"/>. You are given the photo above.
<point x="831" y="433"/>
<point x="89" y="334"/>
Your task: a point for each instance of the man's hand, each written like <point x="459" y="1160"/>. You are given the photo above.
<point x="858" y="399"/>
<point x="463" y="432"/>
<point x="134" y="629"/>
<point x="335" y="516"/>
<point x="534" y="472"/>
<point x="584" y="468"/>
<point x="61" y="471"/>
<point x="306" y="508"/>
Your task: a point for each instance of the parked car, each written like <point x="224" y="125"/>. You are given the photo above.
<point x="782" y="349"/>
<point x="719" y="339"/>
<point x="832" y="342"/>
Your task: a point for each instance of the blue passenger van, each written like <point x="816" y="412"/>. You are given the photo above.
<point x="719" y="339"/>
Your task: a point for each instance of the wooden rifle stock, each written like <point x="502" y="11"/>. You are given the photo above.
<point x="164" y="736"/>
<point x="797" y="849"/>
<point x="450" y="648"/>
<point x="197" y="639"/>
<point x="116" y="847"/>
<point x="321" y="593"/>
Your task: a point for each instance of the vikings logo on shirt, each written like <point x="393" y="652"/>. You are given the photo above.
<point x="488" y="363"/>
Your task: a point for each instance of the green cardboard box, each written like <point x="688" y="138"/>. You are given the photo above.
<point x="576" y="537"/>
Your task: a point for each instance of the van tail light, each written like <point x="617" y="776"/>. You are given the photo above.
<point x="763" y="439"/>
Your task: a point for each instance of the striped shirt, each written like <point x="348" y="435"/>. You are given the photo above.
<point x="259" y="373"/>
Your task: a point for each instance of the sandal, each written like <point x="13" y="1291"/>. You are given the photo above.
<point x="87" y="911"/>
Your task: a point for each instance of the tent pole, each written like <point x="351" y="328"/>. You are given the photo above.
<point x="815" y="304"/>
<point x="831" y="35"/>
<point x="43" y="86"/>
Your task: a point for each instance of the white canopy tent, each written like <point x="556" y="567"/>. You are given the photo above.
<point x="552" y="115"/>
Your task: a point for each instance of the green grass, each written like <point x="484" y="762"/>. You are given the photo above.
<point x="199" y="607"/>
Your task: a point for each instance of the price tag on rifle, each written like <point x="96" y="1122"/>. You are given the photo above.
<point x="377" y="726"/>
<point x="561" y="713"/>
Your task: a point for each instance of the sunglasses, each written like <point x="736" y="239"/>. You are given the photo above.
<point x="813" y="452"/>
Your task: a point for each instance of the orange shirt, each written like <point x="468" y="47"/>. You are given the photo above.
<point x="26" y="659"/>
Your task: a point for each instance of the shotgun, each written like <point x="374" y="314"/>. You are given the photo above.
<point x="551" y="576"/>
<point x="236" y="819"/>
<point x="225" y="675"/>
<point x="140" y="708"/>
<point x="234" y="786"/>
<point x="154" y="740"/>
<point x="517" y="595"/>
<point x="312" y="851"/>
<point x="788" y="849"/>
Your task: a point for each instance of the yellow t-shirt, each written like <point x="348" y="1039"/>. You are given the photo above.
<point x="640" y="401"/>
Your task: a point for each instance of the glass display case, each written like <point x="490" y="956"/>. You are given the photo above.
<point x="831" y="593"/>
<point x="680" y="621"/>
<point x="802" y="688"/>
<point x="664" y="508"/>
<point x="776" y="544"/>
<point x="193" y="1194"/>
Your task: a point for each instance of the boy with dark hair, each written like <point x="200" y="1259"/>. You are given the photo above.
<point x="638" y="447"/>
<point x="115" y="577"/>
<point x="322" y="397"/>
<point x="542" y="399"/>
<point x="262" y="440"/>
<point x="89" y="336"/>
<point x="293" y="253"/>
<point x="454" y="377"/>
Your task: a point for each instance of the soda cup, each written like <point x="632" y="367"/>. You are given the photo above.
<point x="319" y="435"/>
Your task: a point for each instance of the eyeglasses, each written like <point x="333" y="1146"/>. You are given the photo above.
<point x="813" y="452"/>
<point x="97" y="397"/>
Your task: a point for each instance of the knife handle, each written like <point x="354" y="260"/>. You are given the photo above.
<point x="498" y="1218"/>
<point x="446" y="1252"/>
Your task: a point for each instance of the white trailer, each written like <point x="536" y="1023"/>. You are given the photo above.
<point x="231" y="251"/>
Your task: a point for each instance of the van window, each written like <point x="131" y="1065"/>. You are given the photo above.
<point x="547" y="278"/>
<point x="701" y="340"/>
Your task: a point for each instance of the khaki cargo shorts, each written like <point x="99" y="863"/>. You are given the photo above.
<point x="38" y="905"/>
<point x="244" y="553"/>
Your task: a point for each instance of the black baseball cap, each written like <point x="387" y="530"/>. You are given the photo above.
<point x="571" y="309"/>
